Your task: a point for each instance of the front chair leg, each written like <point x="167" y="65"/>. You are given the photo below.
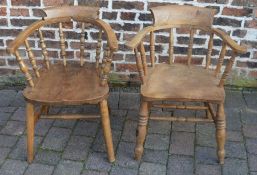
<point x="141" y="130"/>
<point x="30" y="131"/>
<point x="107" y="130"/>
<point x="220" y="123"/>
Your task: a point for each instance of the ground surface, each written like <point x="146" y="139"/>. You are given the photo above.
<point x="76" y="147"/>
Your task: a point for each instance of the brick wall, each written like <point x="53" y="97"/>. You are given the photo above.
<point x="237" y="17"/>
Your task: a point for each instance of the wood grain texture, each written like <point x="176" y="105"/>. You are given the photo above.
<point x="152" y="48"/>
<point x="183" y="84"/>
<point x="60" y="85"/>
<point x="190" y="46"/>
<point x="62" y="45"/>
<point x="30" y="131"/>
<point x="143" y="58"/>
<point x="171" y="46"/>
<point x="221" y="58"/>
<point x="32" y="58"/>
<point x="139" y="66"/>
<point x="82" y="44"/>
<point x="177" y="14"/>
<point x="43" y="47"/>
<point x="209" y="52"/>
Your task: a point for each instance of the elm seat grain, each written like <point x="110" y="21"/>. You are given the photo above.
<point x="195" y="83"/>
<point x="63" y="89"/>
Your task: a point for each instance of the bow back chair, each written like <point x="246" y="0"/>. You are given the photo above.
<point x="55" y="82"/>
<point x="182" y="83"/>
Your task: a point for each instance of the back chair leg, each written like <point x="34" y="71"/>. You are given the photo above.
<point x="107" y="130"/>
<point x="220" y="123"/>
<point x="30" y="131"/>
<point x="141" y="129"/>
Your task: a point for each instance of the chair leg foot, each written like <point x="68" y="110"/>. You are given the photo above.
<point x="220" y="123"/>
<point x="141" y="130"/>
<point x="30" y="131"/>
<point x="107" y="130"/>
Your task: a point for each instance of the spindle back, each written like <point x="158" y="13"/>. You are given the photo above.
<point x="86" y="18"/>
<point x="196" y="20"/>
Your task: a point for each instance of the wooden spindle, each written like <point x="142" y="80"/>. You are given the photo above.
<point x="171" y="46"/>
<point x="227" y="69"/>
<point x="221" y="58"/>
<point x="24" y="69"/>
<point x="106" y="66"/>
<point x="62" y="44"/>
<point x="190" y="47"/>
<point x="98" y="48"/>
<point x="143" y="57"/>
<point x="152" y="48"/>
<point x="139" y="65"/>
<point x="82" y="44"/>
<point x="43" y="47"/>
<point x="208" y="56"/>
<point x="32" y="58"/>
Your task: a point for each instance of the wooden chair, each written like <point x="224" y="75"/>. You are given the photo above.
<point x="78" y="83"/>
<point x="178" y="82"/>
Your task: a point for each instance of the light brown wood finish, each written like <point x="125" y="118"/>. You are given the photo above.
<point x="98" y="49"/>
<point x="171" y="46"/>
<point x="30" y="131"/>
<point x="152" y="48"/>
<point x="82" y="44"/>
<point x="209" y="52"/>
<point x="190" y="47"/>
<point x="43" y="47"/>
<point x="32" y="58"/>
<point x="143" y="57"/>
<point x="183" y="83"/>
<point x="66" y="83"/>
<point x="221" y="58"/>
<point x="107" y="130"/>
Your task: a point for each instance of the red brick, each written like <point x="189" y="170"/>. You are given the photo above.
<point x="239" y="33"/>
<point x="3" y="2"/>
<point x="183" y="60"/>
<point x="127" y="16"/>
<point x="19" y="12"/>
<point x="22" y="22"/>
<point x="57" y="2"/>
<point x="3" y="22"/>
<point x="214" y="1"/>
<point x="253" y="74"/>
<point x="227" y="22"/>
<point x="251" y="24"/>
<point x="128" y="5"/>
<point x="249" y="3"/>
<point x="6" y="71"/>
<point x="110" y="15"/>
<point x="126" y="67"/>
<point x="237" y="12"/>
<point x="2" y="62"/>
<point x="25" y="2"/>
<point x="2" y="11"/>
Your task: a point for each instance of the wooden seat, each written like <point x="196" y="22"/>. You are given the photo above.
<point x="64" y="88"/>
<point x="184" y="83"/>
<point x="181" y="83"/>
<point x="74" y="82"/>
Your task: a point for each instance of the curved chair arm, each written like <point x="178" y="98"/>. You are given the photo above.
<point x="22" y="36"/>
<point x="230" y="42"/>
<point x="139" y="36"/>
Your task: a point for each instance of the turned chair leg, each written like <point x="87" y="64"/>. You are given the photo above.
<point x="107" y="130"/>
<point x="220" y="123"/>
<point x="141" y="129"/>
<point x="30" y="131"/>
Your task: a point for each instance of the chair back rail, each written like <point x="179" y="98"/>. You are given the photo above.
<point x="171" y="46"/>
<point x="22" y="39"/>
<point x="209" y="52"/>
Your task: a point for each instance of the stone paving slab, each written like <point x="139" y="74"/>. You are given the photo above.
<point x="77" y="147"/>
